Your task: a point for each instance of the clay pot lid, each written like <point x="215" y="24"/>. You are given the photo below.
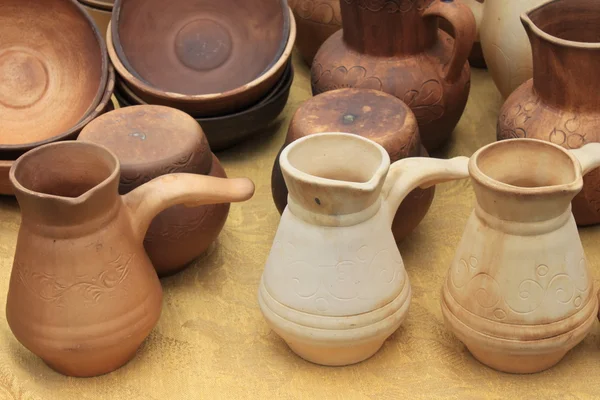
<point x="151" y="141"/>
<point x="53" y="71"/>
<point x="199" y="47"/>
<point x="372" y="114"/>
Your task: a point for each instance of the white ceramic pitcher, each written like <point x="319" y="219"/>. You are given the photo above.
<point x="334" y="286"/>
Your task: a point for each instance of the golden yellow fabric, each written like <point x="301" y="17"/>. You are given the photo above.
<point x="212" y="341"/>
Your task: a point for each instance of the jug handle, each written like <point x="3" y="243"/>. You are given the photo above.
<point x="588" y="156"/>
<point x="409" y="173"/>
<point x="193" y="190"/>
<point x="463" y="22"/>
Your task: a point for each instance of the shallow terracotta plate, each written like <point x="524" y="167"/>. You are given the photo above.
<point x="53" y="70"/>
<point x="227" y="131"/>
<point x="200" y="46"/>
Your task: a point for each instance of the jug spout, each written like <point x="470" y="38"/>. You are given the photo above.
<point x="407" y="174"/>
<point x="148" y="200"/>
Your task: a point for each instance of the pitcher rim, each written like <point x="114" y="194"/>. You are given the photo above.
<point x="370" y="185"/>
<point x="489" y="182"/>
<point x="71" y="200"/>
<point x="526" y="20"/>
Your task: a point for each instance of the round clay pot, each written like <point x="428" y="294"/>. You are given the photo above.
<point x="174" y="71"/>
<point x="53" y="72"/>
<point x="371" y="114"/>
<point x="561" y="104"/>
<point x="426" y="69"/>
<point x="151" y="141"/>
<point x="316" y="21"/>
<point x="106" y="105"/>
<point x="100" y="15"/>
<point x="224" y="132"/>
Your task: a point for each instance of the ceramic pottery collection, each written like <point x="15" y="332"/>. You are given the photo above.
<point x="112" y="200"/>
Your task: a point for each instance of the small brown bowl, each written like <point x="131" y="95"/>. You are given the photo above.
<point x="207" y="105"/>
<point x="227" y="131"/>
<point x="151" y="141"/>
<point x="7" y="158"/>
<point x="53" y="71"/>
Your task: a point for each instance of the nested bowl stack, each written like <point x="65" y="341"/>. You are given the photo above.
<point x="55" y="76"/>
<point x="226" y="64"/>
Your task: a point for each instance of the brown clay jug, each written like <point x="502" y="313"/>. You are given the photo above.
<point x="371" y="114"/>
<point x="396" y="46"/>
<point x="561" y="103"/>
<point x="83" y="294"/>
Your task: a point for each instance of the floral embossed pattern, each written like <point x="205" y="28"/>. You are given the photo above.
<point x="317" y="11"/>
<point x="391" y="6"/>
<point x="352" y="278"/>
<point x="52" y="288"/>
<point x="341" y="77"/>
<point x="562" y="288"/>
<point x="511" y="124"/>
<point x="426" y="102"/>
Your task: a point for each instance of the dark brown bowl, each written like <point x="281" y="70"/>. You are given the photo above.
<point x="212" y="104"/>
<point x="201" y="46"/>
<point x="53" y="71"/>
<point x="224" y="132"/>
<point x="7" y="158"/>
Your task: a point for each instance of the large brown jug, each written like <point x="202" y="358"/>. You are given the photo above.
<point x="83" y="294"/>
<point x="396" y="46"/>
<point x="561" y="103"/>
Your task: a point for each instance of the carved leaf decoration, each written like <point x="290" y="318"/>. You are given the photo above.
<point x="424" y="102"/>
<point x="341" y="77"/>
<point x="557" y="137"/>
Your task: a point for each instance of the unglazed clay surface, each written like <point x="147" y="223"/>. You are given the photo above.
<point x="560" y="104"/>
<point x="427" y="69"/>
<point x="519" y="293"/>
<point x="83" y="295"/>
<point x="504" y="43"/>
<point x="334" y="286"/>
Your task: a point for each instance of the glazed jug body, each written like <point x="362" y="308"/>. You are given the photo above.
<point x="334" y="286"/>
<point x="561" y="102"/>
<point x="504" y="43"/>
<point x="397" y="47"/>
<point x="519" y="293"/>
<point x="83" y="294"/>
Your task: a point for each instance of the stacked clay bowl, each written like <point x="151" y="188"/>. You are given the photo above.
<point x="227" y="63"/>
<point x="54" y="76"/>
<point x="100" y="11"/>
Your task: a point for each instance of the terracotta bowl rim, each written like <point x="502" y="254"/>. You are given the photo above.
<point x="106" y="98"/>
<point x="99" y="97"/>
<point x="191" y="99"/>
<point x="283" y="85"/>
